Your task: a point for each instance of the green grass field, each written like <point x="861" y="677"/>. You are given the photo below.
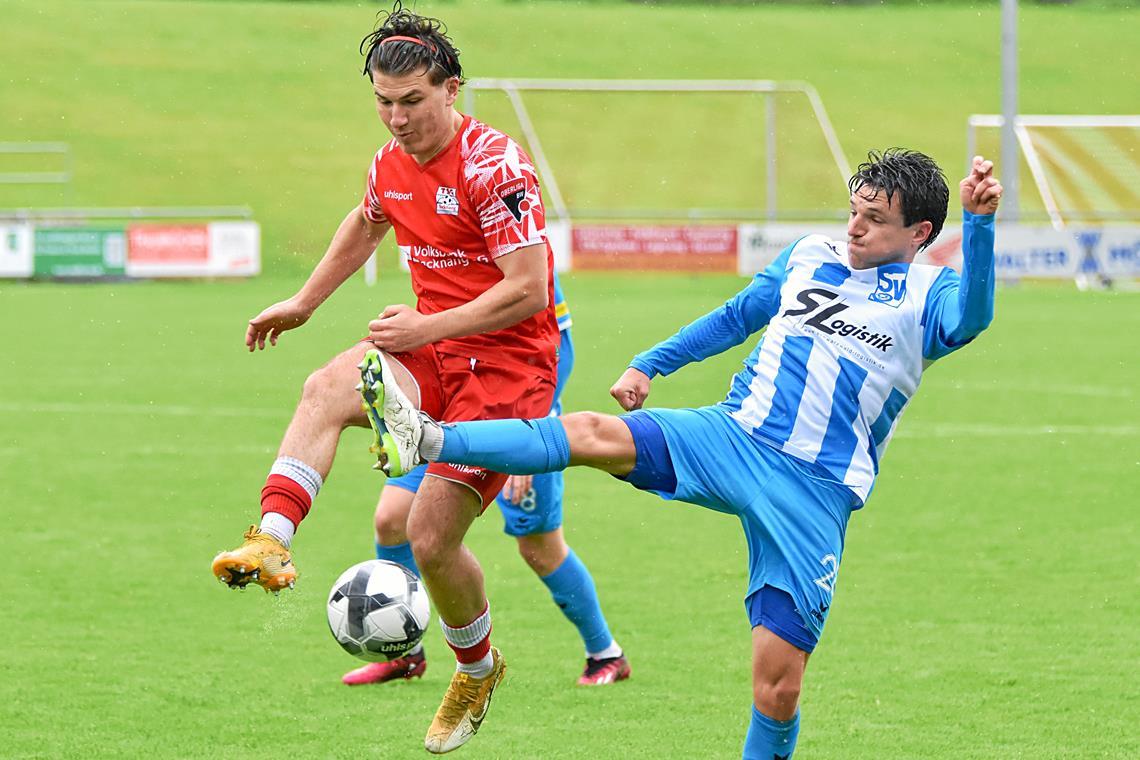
<point x="987" y="607"/>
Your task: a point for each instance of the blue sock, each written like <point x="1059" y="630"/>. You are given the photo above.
<point x="771" y="739"/>
<point x="516" y="447"/>
<point x="574" y="593"/>
<point x="401" y="554"/>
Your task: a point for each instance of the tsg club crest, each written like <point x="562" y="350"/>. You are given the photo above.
<point x="446" y="201"/>
<point x="891" y="289"/>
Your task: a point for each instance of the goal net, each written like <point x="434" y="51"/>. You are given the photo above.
<point x="1084" y="169"/>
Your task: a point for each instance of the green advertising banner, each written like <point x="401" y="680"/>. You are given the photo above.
<point x="80" y="252"/>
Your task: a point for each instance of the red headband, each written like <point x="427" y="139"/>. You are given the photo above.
<point x="400" y="38"/>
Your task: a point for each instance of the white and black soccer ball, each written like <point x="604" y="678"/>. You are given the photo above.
<point x="378" y="610"/>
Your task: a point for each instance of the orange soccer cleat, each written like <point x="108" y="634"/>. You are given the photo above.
<point x="261" y="559"/>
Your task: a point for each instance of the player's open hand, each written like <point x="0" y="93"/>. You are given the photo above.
<point x="400" y="328"/>
<point x="275" y="320"/>
<point x="517" y="487"/>
<point x="979" y="191"/>
<point x="631" y="389"/>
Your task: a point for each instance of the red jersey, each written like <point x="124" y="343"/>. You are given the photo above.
<point x="476" y="200"/>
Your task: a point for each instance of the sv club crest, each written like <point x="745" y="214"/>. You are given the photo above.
<point x="891" y="289"/>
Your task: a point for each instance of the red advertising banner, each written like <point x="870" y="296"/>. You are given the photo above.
<point x="170" y="245"/>
<point x="704" y="248"/>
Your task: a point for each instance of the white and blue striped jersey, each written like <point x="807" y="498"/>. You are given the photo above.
<point x="844" y="349"/>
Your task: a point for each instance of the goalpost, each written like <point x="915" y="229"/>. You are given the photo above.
<point x="513" y="89"/>
<point x="1086" y="171"/>
<point x="1085" y="168"/>
<point x="709" y="154"/>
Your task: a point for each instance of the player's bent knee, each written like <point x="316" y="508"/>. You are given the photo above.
<point x="432" y="547"/>
<point x="543" y="553"/>
<point x="316" y="385"/>
<point x="426" y="547"/>
<point x="330" y="390"/>
<point x="391" y="525"/>
<point x="777" y="699"/>
<point x="599" y="440"/>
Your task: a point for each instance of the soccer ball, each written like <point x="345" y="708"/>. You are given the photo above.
<point x="378" y="610"/>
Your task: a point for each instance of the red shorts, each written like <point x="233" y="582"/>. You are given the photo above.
<point x="459" y="388"/>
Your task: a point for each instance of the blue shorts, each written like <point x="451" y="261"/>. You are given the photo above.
<point x="794" y="519"/>
<point x="540" y="510"/>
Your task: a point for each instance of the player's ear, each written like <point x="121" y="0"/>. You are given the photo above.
<point x="452" y="87"/>
<point x="922" y="232"/>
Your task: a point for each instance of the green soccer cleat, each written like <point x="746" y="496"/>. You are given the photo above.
<point x="389" y="409"/>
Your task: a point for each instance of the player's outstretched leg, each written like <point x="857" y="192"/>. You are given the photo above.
<point x="328" y="405"/>
<point x="389" y="411"/>
<point x="261" y="559"/>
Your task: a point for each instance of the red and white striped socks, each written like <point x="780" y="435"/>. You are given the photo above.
<point x="472" y="644"/>
<point x="287" y="497"/>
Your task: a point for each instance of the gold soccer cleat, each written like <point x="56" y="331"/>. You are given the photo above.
<point x="261" y="559"/>
<point x="464" y="707"/>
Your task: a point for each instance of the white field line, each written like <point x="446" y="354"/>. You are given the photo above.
<point x="164" y="410"/>
<point x="1101" y="391"/>
<point x="165" y="451"/>
<point x="967" y="430"/>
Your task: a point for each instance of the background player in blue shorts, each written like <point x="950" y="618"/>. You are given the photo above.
<point x="532" y="513"/>
<point x="796" y="445"/>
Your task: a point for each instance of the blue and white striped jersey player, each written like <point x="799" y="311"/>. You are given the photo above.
<point x="532" y="514"/>
<point x="796" y="445"/>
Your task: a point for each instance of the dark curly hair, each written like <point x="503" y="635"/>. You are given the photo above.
<point x="920" y="183"/>
<point x="428" y="47"/>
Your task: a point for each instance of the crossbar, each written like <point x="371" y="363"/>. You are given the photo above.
<point x="767" y="87"/>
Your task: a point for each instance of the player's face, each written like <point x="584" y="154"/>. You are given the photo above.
<point x="419" y="114"/>
<point x="875" y="231"/>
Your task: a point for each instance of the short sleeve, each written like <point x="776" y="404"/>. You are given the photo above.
<point x="371" y="205"/>
<point x="503" y="187"/>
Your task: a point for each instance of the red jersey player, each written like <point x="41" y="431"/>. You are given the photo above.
<point x="464" y="202"/>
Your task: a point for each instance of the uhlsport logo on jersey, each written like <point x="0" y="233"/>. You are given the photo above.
<point x="396" y="195"/>
<point x="446" y="201"/>
<point x="891" y="289"/>
<point x="512" y="193"/>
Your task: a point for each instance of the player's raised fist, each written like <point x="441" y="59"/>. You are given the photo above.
<point x="980" y="192"/>
<point x="275" y="320"/>
<point x="631" y="389"/>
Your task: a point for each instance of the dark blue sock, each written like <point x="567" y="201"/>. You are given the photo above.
<point x="516" y="447"/>
<point x="401" y="554"/>
<point x="771" y="739"/>
<point x="573" y="590"/>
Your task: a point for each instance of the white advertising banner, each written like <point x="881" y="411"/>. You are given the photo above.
<point x="1020" y="250"/>
<point x="1024" y="250"/>
<point x="758" y="245"/>
<point x="235" y="249"/>
<point x="16" y="250"/>
<point x="216" y="249"/>
<point x="558" y="235"/>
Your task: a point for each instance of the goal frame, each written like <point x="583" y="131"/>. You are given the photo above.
<point x="1021" y="126"/>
